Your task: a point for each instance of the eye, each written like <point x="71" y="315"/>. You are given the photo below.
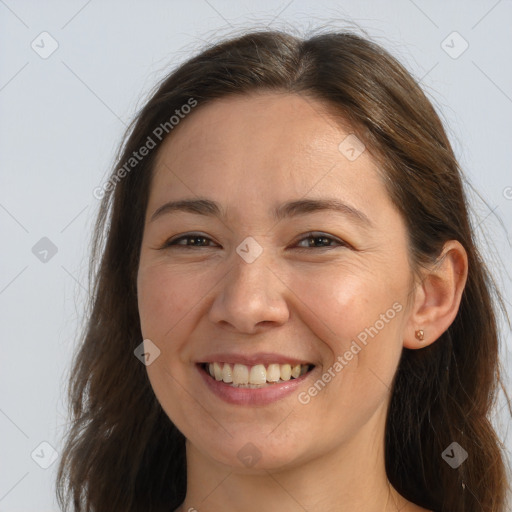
<point x="199" y="240"/>
<point x="323" y="238"/>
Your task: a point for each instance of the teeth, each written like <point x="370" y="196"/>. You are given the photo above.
<point x="217" y="371"/>
<point x="240" y="375"/>
<point x="286" y="372"/>
<point x="227" y="373"/>
<point x="258" y="374"/>
<point x="273" y="373"/>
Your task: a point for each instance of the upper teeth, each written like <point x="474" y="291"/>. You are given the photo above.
<point x="240" y="374"/>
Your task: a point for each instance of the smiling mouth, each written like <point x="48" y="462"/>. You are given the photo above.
<point x="256" y="376"/>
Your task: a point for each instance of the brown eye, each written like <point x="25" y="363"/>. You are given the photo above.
<point x="198" y="240"/>
<point x="315" y="241"/>
<point x="323" y="239"/>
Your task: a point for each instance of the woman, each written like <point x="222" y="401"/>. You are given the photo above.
<point x="289" y="311"/>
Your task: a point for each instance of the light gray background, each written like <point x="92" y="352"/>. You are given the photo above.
<point x="62" y="118"/>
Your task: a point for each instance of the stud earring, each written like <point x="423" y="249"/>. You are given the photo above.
<point x="420" y="335"/>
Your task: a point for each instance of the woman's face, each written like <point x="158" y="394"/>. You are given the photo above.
<point x="248" y="288"/>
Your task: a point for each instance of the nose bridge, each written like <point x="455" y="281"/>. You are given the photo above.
<point x="251" y="293"/>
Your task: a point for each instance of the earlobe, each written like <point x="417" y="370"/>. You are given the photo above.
<point x="438" y="297"/>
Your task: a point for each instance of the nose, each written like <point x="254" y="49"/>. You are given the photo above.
<point x="250" y="297"/>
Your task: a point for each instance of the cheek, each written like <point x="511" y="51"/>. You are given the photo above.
<point x="347" y="299"/>
<point x="359" y="322"/>
<point x="358" y="316"/>
<point x="164" y="297"/>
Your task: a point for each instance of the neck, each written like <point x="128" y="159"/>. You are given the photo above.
<point x="349" y="477"/>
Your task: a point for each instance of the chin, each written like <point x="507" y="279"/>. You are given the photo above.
<point x="251" y="453"/>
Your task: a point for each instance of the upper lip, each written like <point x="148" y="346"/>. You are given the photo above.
<point x="264" y="358"/>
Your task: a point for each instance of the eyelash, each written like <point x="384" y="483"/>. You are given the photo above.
<point x="313" y="234"/>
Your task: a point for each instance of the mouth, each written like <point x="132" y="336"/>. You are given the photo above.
<point x="254" y="376"/>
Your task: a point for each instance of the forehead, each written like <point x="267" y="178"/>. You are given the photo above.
<point x="264" y="147"/>
<point x="245" y="124"/>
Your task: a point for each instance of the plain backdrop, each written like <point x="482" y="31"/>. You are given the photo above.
<point x="72" y="75"/>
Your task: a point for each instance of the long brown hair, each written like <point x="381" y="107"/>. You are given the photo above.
<point x="122" y="452"/>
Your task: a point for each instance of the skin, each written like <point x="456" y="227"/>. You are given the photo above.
<point x="250" y="154"/>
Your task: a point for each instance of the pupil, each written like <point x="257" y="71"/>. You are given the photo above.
<point x="316" y="238"/>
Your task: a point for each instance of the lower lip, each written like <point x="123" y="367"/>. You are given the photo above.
<point x="252" y="396"/>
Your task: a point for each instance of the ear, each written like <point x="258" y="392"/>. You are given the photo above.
<point x="437" y="296"/>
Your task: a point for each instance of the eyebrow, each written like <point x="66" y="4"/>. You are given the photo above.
<point x="207" y="207"/>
